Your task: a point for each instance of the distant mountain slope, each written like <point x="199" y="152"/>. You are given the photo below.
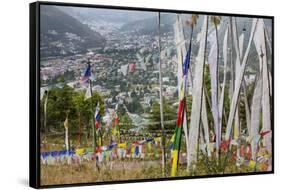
<point x="107" y="15"/>
<point x="62" y="34"/>
<point x="150" y="25"/>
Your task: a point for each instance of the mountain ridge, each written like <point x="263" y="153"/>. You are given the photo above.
<point x="62" y="34"/>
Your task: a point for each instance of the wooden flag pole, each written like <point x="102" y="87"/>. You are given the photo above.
<point x="161" y="102"/>
<point x="93" y="117"/>
<point x="238" y="83"/>
<point x="93" y="120"/>
<point x="45" y="115"/>
<point x="79" y="131"/>
<point x="67" y="138"/>
<point x="197" y="94"/>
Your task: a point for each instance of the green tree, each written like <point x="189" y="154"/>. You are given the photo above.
<point x="135" y="106"/>
<point x="169" y="113"/>
<point x="97" y="98"/>
<point x="60" y="102"/>
<point x="124" y="118"/>
<point x="66" y="100"/>
<point x="83" y="111"/>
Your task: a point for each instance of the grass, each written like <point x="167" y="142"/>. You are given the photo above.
<point x="147" y="168"/>
<point x="87" y="172"/>
<point x="117" y="170"/>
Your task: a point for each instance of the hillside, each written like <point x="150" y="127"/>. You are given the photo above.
<point x="149" y="26"/>
<point x="61" y="34"/>
<point x="106" y="15"/>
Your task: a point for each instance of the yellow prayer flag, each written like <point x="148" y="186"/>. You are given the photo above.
<point x="122" y="145"/>
<point x="80" y="151"/>
<point x="252" y="164"/>
<point x="133" y="150"/>
<point x="174" y="162"/>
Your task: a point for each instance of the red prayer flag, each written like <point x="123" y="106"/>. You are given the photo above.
<point x="264" y="133"/>
<point x="180" y="110"/>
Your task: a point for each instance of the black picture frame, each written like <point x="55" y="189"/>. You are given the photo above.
<point x="34" y="92"/>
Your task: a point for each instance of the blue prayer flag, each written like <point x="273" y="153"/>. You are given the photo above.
<point x="87" y="75"/>
<point x="186" y="62"/>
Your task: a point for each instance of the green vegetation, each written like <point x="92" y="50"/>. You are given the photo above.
<point x="133" y="169"/>
<point x="66" y="100"/>
<point x="169" y="112"/>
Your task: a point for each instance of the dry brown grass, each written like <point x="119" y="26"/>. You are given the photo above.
<point x="87" y="172"/>
<point x="132" y="169"/>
